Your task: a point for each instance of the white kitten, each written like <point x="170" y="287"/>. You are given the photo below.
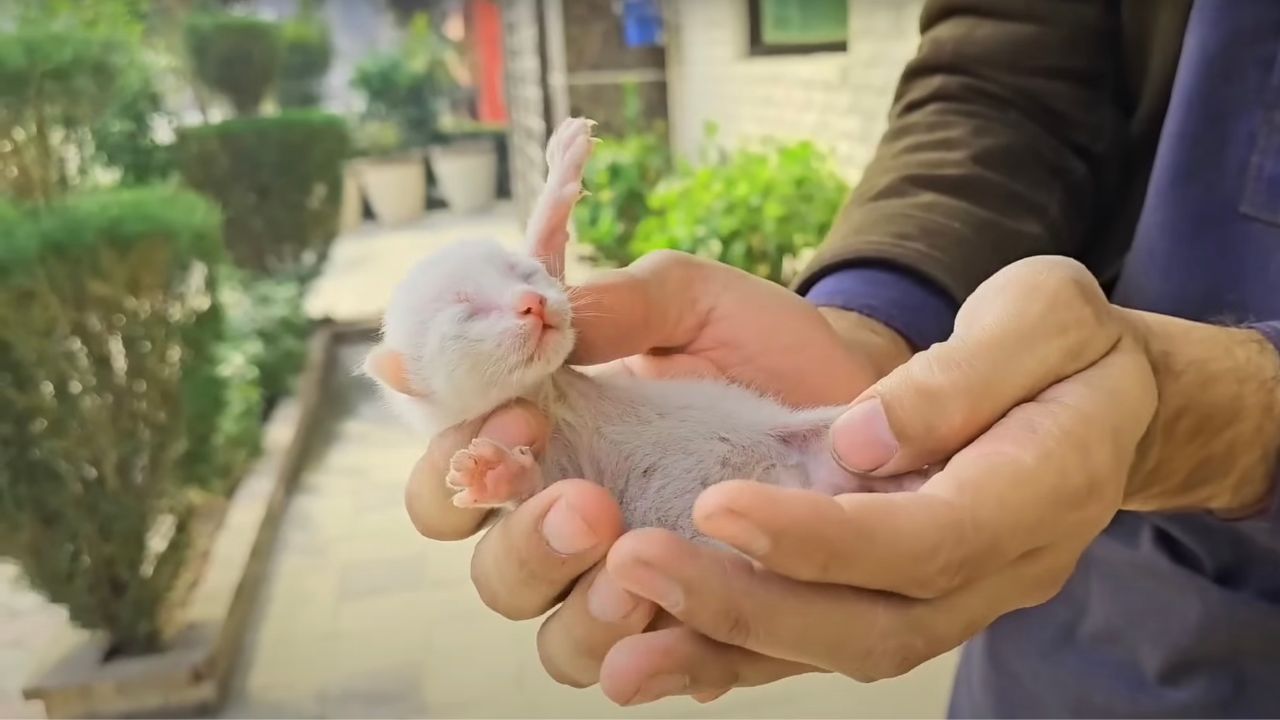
<point x="474" y="326"/>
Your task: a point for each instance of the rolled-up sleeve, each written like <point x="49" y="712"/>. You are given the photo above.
<point x="907" y="302"/>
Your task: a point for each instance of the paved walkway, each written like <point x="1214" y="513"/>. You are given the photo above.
<point x="28" y="623"/>
<point x="360" y="617"/>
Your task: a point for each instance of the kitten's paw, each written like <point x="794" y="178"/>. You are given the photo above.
<point x="489" y="475"/>
<point x="570" y="140"/>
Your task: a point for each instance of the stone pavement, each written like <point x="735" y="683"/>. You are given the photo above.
<point x="361" y="617"/>
<point x="28" y="623"/>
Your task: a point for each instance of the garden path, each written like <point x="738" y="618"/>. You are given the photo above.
<point x="361" y="617"/>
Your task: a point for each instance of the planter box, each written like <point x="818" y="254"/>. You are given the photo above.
<point x="466" y="172"/>
<point x="191" y="674"/>
<point x="396" y="187"/>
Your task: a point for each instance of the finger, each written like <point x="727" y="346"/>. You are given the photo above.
<point x="905" y="543"/>
<point x="865" y="635"/>
<point x="428" y="499"/>
<point x="659" y="301"/>
<point x="573" y="641"/>
<point x="726" y="598"/>
<point x="679" y="661"/>
<point x="1022" y="485"/>
<point x="527" y="561"/>
<point x="1029" y="326"/>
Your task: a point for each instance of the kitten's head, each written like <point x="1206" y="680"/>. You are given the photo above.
<point x="470" y="327"/>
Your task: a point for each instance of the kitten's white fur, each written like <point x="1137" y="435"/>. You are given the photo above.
<point x="655" y="444"/>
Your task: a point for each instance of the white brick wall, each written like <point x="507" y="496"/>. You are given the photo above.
<point x="838" y="99"/>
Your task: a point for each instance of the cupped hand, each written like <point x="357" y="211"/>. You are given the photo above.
<point x="667" y="314"/>
<point x="1036" y="406"/>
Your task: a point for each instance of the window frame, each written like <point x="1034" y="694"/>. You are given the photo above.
<point x="758" y="47"/>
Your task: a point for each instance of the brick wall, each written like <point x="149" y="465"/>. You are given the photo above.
<point x="839" y="99"/>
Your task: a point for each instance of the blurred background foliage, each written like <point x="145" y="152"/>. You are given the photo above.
<point x="151" y="280"/>
<point x="762" y="208"/>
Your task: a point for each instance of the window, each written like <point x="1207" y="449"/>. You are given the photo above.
<point x="798" y="26"/>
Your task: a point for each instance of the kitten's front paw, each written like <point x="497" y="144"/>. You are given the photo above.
<point x="489" y="475"/>
<point x="569" y="147"/>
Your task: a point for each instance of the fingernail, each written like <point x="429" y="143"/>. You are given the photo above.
<point x="658" y="687"/>
<point x="607" y="601"/>
<point x="739" y="532"/>
<point x="646" y="581"/>
<point x="565" y="531"/>
<point x="861" y="439"/>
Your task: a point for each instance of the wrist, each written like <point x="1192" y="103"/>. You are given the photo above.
<point x="1215" y="437"/>
<point x="882" y="347"/>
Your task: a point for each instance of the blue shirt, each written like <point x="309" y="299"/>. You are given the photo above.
<point x="1170" y="615"/>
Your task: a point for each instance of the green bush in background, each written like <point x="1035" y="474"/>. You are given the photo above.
<point x="756" y="209"/>
<point x="77" y="100"/>
<point x="278" y="181"/>
<point x="620" y="175"/>
<point x="305" y="54"/>
<point x="263" y="350"/>
<point x="54" y="83"/>
<point x="109" y="398"/>
<point x="411" y="85"/>
<point x="236" y="56"/>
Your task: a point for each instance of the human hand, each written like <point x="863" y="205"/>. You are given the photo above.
<point x="1037" y="405"/>
<point x="668" y="314"/>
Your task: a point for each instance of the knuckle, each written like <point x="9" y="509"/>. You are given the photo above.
<point x="552" y="655"/>
<point x="930" y="416"/>
<point x="515" y="596"/>
<point x="895" y="658"/>
<point x="949" y="565"/>
<point x="735" y="628"/>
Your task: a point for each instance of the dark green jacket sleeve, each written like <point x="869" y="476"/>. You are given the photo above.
<point x="1004" y="131"/>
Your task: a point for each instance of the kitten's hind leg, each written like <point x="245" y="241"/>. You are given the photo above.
<point x="547" y="233"/>
<point x="489" y="475"/>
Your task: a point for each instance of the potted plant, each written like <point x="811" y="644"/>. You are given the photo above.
<point x="403" y="90"/>
<point x="465" y="166"/>
<point x="391" y="176"/>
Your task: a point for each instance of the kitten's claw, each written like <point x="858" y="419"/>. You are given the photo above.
<point x="489" y="475"/>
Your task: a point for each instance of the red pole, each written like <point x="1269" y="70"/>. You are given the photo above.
<point x="486" y="34"/>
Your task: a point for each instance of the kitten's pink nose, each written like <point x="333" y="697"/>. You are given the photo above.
<point x="532" y="304"/>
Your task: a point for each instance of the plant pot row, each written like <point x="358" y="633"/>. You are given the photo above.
<point x="395" y="186"/>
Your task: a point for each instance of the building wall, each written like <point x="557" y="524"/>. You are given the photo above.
<point x="839" y="99"/>
<point x="526" y="100"/>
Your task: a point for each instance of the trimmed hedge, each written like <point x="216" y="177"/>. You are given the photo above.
<point x="54" y="83"/>
<point x="109" y="400"/>
<point x="235" y="55"/>
<point x="278" y="180"/>
<point x="306" y="52"/>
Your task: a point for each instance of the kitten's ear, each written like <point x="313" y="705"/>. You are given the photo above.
<point x="388" y="367"/>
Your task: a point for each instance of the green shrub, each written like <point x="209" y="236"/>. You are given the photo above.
<point x="265" y="319"/>
<point x="235" y="55"/>
<point x="754" y="209"/>
<point x="278" y="181"/>
<point x="108" y="398"/>
<point x="263" y="349"/>
<point x="410" y="85"/>
<point x="77" y="100"/>
<point x="54" y="82"/>
<point x="620" y="174"/>
<point x="305" y="54"/>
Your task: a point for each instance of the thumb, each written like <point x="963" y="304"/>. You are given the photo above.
<point x="1033" y="324"/>
<point x="658" y="302"/>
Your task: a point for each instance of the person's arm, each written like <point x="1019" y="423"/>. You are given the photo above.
<point x="1004" y="130"/>
<point x="1214" y="442"/>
